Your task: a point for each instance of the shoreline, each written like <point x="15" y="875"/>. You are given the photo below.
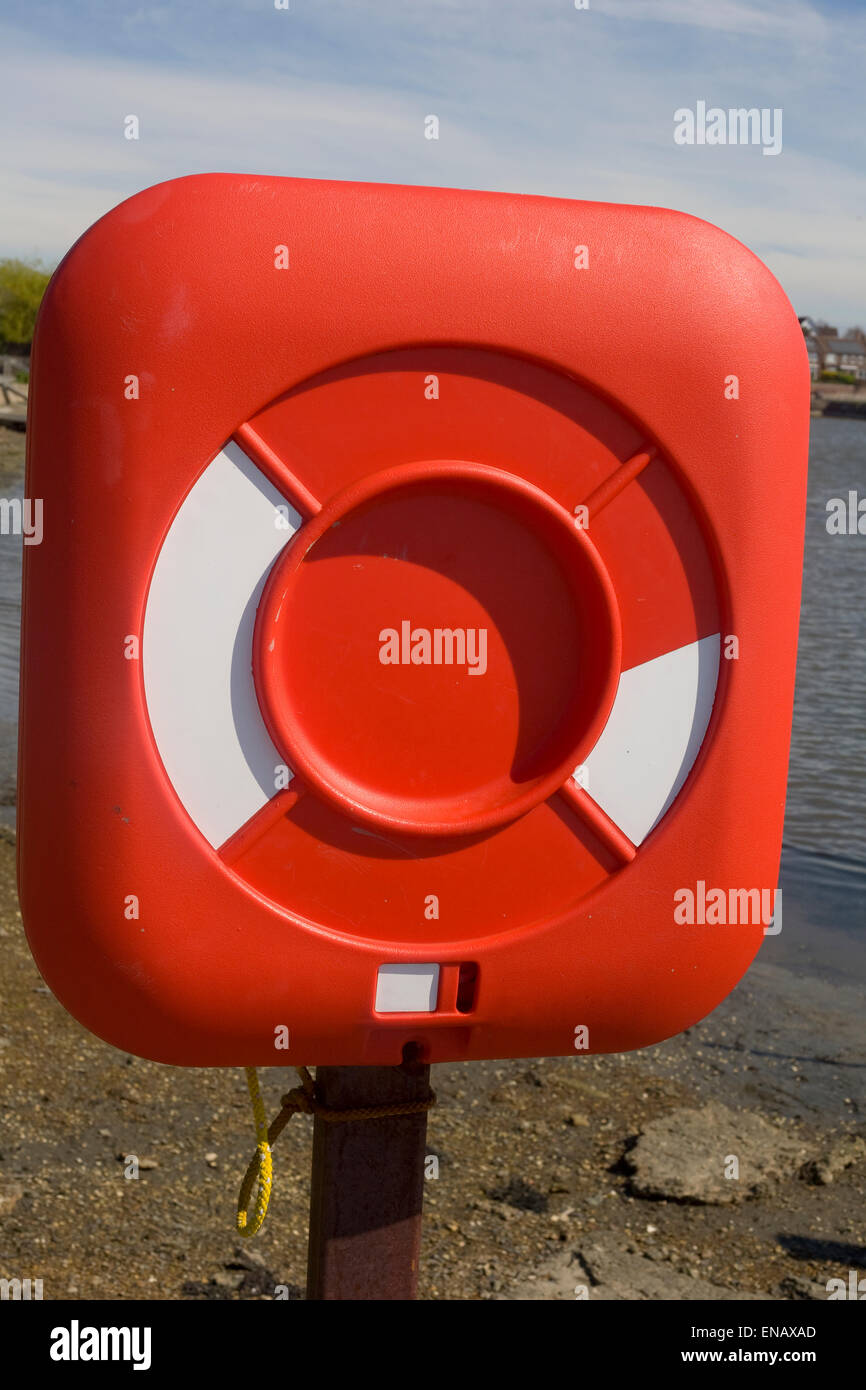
<point x="838" y="400"/>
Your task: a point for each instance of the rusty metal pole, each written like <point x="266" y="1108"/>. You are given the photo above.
<point x="367" y="1186"/>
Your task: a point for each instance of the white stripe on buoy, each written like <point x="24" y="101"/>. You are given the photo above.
<point x="649" y="743"/>
<point x="198" y="642"/>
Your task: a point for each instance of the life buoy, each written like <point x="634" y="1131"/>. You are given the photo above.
<point x="459" y="640"/>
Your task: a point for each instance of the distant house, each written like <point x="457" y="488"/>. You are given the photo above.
<point x="844" y="355"/>
<point x="829" y="352"/>
<point x="813" y="347"/>
<point x="812" y="333"/>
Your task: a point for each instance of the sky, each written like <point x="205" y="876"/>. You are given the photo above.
<point x="532" y="96"/>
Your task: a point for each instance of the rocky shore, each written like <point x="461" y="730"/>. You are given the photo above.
<point x="603" y="1174"/>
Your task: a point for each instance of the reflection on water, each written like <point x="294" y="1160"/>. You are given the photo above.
<point x="824" y="861"/>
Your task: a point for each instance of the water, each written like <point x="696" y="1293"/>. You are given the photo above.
<point x="825" y="808"/>
<point x="11" y="485"/>
<point x="10" y="613"/>
<point x="824" y="856"/>
<point x="823" y="875"/>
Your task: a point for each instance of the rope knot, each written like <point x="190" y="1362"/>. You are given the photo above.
<point x="301" y="1099"/>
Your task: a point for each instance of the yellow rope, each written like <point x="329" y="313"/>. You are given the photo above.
<point x="262" y="1164"/>
<point x="301" y="1098"/>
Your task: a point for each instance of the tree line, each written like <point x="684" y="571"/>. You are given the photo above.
<point x="22" y="285"/>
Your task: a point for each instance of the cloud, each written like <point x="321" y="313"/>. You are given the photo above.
<point x="781" y="21"/>
<point x="547" y="100"/>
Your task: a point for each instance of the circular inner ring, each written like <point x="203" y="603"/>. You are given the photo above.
<point x="437" y="649"/>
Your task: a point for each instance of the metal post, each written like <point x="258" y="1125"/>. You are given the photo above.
<point x="367" y="1186"/>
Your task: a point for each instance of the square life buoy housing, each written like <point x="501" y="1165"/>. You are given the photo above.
<point x="550" y="458"/>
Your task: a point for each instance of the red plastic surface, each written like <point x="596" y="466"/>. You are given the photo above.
<point x="449" y="756"/>
<point x="556" y="387"/>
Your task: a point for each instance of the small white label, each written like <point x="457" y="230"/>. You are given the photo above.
<point x="407" y="989"/>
